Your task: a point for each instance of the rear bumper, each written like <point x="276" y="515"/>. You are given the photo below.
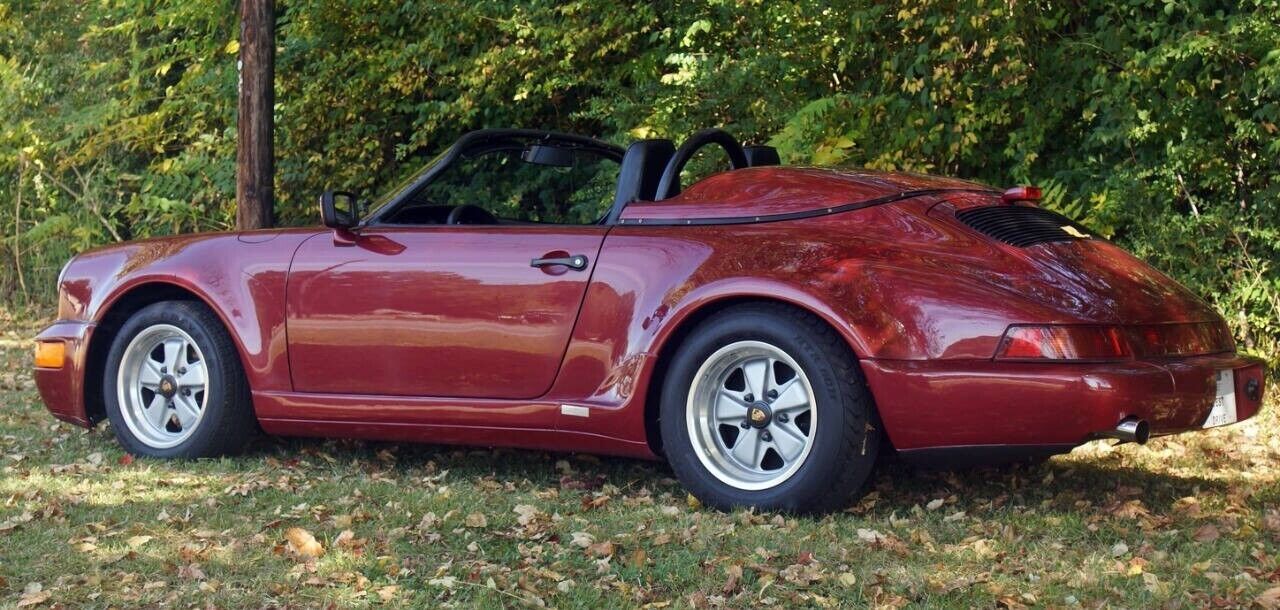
<point x="62" y="389"/>
<point x="981" y="404"/>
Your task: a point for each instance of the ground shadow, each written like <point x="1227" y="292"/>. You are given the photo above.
<point x="899" y="486"/>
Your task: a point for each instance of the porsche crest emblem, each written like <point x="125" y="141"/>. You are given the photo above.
<point x="166" y="387"/>
<point x="758" y="415"/>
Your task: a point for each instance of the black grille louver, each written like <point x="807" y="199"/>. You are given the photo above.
<point x="1022" y="226"/>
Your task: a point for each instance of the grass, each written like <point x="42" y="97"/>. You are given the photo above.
<point x="1190" y="521"/>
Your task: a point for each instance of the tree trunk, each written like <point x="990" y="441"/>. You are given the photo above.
<point x="255" y="167"/>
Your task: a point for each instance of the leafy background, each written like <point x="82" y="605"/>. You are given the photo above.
<point x="1153" y="122"/>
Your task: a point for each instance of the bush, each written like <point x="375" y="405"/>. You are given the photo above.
<point x="1153" y="123"/>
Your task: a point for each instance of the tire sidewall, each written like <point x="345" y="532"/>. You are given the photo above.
<point x="220" y="371"/>
<point x="813" y="478"/>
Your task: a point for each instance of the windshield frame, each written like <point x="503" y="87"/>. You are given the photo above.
<point x="407" y="188"/>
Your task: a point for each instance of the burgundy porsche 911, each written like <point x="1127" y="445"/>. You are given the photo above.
<point x="767" y="330"/>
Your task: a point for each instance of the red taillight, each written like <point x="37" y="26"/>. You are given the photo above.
<point x="1165" y="340"/>
<point x="1100" y="342"/>
<point x="1063" y="343"/>
<point x="1021" y="193"/>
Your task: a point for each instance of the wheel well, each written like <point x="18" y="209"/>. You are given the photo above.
<point x="104" y="334"/>
<point x="653" y="393"/>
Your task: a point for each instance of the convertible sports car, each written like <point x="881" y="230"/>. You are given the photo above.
<point x="768" y="330"/>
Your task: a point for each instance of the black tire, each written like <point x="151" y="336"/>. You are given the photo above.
<point x="844" y="447"/>
<point x="228" y="422"/>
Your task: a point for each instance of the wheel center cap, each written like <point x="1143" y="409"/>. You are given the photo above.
<point x="168" y="386"/>
<point x="759" y="415"/>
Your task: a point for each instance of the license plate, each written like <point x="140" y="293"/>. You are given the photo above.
<point x="1224" y="401"/>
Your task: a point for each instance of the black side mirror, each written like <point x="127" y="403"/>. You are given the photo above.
<point x="338" y="210"/>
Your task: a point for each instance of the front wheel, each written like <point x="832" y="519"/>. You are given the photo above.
<point x="765" y="406"/>
<point x="174" y="387"/>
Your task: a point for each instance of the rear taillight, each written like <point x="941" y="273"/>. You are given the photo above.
<point x="1063" y="343"/>
<point x="1021" y="193"/>
<point x="1103" y="342"/>
<point x="1159" y="340"/>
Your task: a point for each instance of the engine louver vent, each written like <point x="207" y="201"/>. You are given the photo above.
<point x="1022" y="226"/>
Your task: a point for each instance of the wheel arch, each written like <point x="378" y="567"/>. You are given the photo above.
<point x="682" y="327"/>
<point x="113" y="316"/>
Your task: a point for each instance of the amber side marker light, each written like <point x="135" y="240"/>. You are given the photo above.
<point x="50" y="354"/>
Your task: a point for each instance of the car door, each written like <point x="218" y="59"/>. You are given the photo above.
<point x="442" y="311"/>
<point x="468" y="285"/>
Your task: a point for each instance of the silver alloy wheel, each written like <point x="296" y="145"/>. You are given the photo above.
<point x="162" y="386"/>
<point x="751" y="415"/>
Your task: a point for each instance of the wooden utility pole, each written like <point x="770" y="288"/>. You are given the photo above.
<point x="255" y="165"/>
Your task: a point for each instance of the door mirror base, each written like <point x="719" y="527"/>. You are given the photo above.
<point x="344" y="237"/>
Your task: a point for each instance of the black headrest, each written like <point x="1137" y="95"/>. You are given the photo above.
<point x="641" y="170"/>
<point x="762" y="155"/>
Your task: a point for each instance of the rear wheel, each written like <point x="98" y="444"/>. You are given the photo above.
<point x="766" y="407"/>
<point x="174" y="386"/>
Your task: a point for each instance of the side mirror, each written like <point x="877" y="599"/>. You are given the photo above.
<point x="338" y="210"/>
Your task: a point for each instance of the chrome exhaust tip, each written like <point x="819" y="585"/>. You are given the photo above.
<point x="1129" y="430"/>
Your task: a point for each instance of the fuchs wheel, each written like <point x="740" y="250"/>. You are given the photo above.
<point x="765" y="406"/>
<point x="174" y="386"/>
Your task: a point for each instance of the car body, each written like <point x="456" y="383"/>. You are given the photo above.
<point x="446" y="334"/>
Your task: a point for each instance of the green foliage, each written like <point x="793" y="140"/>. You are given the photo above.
<point x="1155" y="123"/>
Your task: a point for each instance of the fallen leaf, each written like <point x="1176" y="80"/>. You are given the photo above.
<point x="731" y="583"/>
<point x="1268" y="600"/>
<point x="934" y="504"/>
<point x="388" y="592"/>
<point x="33" y="594"/>
<point x="429" y="522"/>
<point x="847" y="579"/>
<point x="344" y="538"/>
<point x="14" y="522"/>
<point x="476" y="520"/>
<point x="870" y="536"/>
<point x="1207" y="533"/>
<point x="1271" y="521"/>
<point x="303" y="544"/>
<point x="138" y="541"/>
<point x="582" y="539"/>
<point x="447" y="582"/>
<point x="589" y="502"/>
<point x="571" y="482"/>
<point x="1119" y="549"/>
<point x="191" y="572"/>
<point x="1010" y="602"/>
<point x="956" y="516"/>
<point x="526" y="513"/>
<point x="802" y="574"/>
<point x="692" y="502"/>
<point x="601" y="549"/>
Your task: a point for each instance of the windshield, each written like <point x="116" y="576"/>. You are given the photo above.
<point x="403" y="186"/>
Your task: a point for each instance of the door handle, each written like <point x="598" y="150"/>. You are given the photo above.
<point x="577" y="262"/>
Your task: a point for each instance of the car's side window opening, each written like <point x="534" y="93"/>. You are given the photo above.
<point x="573" y="186"/>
